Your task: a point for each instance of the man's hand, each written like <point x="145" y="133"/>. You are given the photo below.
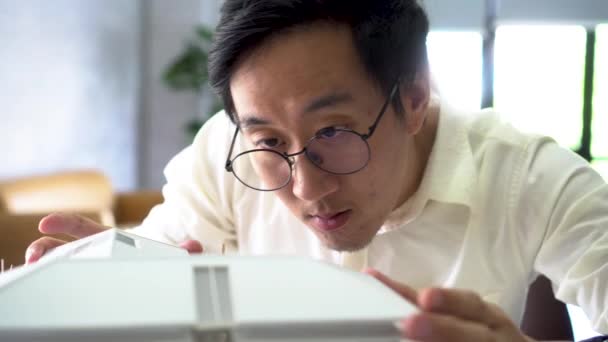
<point x="452" y="315"/>
<point x="69" y="224"/>
<point x="78" y="227"/>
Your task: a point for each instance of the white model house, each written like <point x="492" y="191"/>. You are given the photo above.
<point x="116" y="286"/>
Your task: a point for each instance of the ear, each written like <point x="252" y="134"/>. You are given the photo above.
<point x="415" y="99"/>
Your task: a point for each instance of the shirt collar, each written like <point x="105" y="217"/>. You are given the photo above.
<point x="450" y="171"/>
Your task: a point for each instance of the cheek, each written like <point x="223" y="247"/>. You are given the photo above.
<point x="286" y="196"/>
<point x="375" y="183"/>
<point x="362" y="186"/>
<point x="381" y="174"/>
<point x="293" y="203"/>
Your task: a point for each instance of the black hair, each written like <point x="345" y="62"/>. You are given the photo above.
<point x="389" y="36"/>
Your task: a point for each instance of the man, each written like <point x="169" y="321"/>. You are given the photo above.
<point x="341" y="153"/>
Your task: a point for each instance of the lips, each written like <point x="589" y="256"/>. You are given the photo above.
<point x="330" y="221"/>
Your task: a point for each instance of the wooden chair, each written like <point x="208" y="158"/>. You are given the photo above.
<point x="25" y="201"/>
<point x="85" y="191"/>
<point x="18" y="231"/>
<point x="130" y="208"/>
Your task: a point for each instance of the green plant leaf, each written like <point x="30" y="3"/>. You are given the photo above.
<point x="188" y="71"/>
<point x="204" y="33"/>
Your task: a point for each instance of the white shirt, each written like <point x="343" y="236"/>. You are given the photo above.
<point x="495" y="208"/>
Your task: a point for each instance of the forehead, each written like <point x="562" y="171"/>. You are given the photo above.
<point x="296" y="66"/>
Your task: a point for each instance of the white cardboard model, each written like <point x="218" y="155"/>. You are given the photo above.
<point x="116" y="286"/>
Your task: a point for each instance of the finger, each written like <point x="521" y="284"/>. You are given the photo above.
<point x="431" y="327"/>
<point x="39" y="247"/>
<point x="405" y="291"/>
<point x="464" y="304"/>
<point x="71" y="224"/>
<point x="192" y="246"/>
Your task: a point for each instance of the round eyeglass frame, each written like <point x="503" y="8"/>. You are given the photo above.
<point x="289" y="157"/>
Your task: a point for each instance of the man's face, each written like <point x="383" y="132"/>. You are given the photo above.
<point x="302" y="82"/>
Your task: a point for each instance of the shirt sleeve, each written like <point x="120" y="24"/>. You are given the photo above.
<point x="198" y="195"/>
<point x="566" y="201"/>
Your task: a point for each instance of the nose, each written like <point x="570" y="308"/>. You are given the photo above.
<point x="310" y="183"/>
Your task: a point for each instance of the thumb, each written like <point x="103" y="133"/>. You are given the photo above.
<point x="192" y="246"/>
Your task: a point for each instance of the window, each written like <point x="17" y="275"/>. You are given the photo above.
<point x="601" y="166"/>
<point x="455" y="59"/>
<point x="581" y="326"/>
<point x="539" y="75"/>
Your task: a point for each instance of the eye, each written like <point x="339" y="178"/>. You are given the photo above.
<point x="328" y="132"/>
<point x="270" y="143"/>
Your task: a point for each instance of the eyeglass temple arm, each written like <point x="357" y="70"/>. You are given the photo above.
<point x="228" y="161"/>
<point x="388" y="101"/>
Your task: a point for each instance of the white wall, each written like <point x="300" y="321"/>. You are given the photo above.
<point x="455" y="14"/>
<point x="69" y="76"/>
<point x="80" y="86"/>
<point x="167" y="26"/>
<point x="587" y="12"/>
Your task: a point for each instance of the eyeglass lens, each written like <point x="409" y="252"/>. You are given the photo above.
<point x="339" y="152"/>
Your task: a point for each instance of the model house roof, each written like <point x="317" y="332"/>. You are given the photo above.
<point x="120" y="287"/>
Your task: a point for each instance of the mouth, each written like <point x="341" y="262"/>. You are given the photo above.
<point x="330" y="221"/>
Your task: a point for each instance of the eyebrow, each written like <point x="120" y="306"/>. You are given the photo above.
<point x="252" y="120"/>
<point x="325" y="101"/>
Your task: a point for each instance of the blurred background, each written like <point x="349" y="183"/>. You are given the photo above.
<point x="82" y="81"/>
<point x="82" y="86"/>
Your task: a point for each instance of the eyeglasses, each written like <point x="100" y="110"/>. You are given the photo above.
<point x="338" y="151"/>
